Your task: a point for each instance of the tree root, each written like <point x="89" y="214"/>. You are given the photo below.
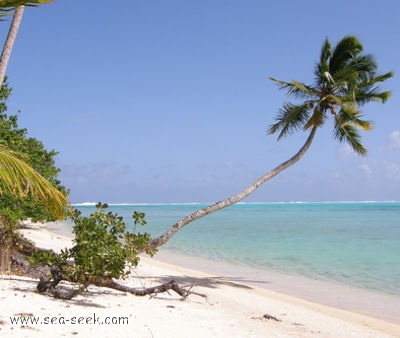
<point x="49" y="285"/>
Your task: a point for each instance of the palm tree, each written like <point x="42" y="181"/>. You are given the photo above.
<point x="9" y="43"/>
<point x="345" y="80"/>
<point x="5" y="7"/>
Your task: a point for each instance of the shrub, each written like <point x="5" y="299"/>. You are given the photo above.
<point x="102" y="247"/>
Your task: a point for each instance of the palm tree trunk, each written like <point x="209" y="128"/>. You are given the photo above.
<point x="8" y="45"/>
<point x="5" y="254"/>
<point x="156" y="242"/>
<point x="5" y="247"/>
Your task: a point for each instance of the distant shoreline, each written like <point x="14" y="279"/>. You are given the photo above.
<point x="240" y="203"/>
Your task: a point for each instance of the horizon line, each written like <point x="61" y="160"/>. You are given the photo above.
<point x="239" y="203"/>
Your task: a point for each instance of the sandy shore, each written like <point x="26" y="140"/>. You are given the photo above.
<point x="231" y="309"/>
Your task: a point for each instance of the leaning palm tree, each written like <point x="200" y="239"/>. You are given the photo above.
<point x="6" y="6"/>
<point x="345" y="80"/>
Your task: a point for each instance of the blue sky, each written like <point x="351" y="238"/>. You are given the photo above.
<point x="169" y="101"/>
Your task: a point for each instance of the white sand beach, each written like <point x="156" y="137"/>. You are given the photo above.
<point x="230" y="309"/>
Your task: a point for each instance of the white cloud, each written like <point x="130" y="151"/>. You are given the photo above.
<point x="392" y="171"/>
<point x="229" y="164"/>
<point x="366" y="169"/>
<point x="345" y="151"/>
<point x="394" y="141"/>
<point x="95" y="173"/>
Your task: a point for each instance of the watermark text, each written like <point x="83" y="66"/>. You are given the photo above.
<point x="27" y="319"/>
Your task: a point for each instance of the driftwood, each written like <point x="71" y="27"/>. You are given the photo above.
<point x="51" y="286"/>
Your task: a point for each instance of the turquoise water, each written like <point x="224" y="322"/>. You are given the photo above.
<point x="357" y="244"/>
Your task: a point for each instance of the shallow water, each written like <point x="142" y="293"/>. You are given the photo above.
<point x="356" y="244"/>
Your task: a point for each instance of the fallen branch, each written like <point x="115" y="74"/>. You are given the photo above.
<point x="164" y="287"/>
<point x="51" y="286"/>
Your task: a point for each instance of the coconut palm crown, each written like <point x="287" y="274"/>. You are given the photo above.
<point x="10" y="5"/>
<point x="345" y="79"/>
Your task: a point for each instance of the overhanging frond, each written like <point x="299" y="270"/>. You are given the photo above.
<point x="17" y="177"/>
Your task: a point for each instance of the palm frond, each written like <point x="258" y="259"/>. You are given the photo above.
<point x="353" y="72"/>
<point x="365" y="65"/>
<point x="346" y="49"/>
<point x="370" y="80"/>
<point x="347" y="133"/>
<point x="290" y="119"/>
<point x="347" y="126"/>
<point x="316" y="119"/>
<point x="374" y="94"/>
<point x="17" y="177"/>
<point x="322" y="66"/>
<point x="295" y="88"/>
<point x="9" y="5"/>
<point x="363" y="124"/>
<point x="345" y="77"/>
<point x="326" y="54"/>
<point x="381" y="78"/>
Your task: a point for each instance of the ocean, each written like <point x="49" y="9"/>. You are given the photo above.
<point x="353" y="243"/>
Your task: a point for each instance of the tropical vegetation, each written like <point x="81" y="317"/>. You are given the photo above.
<point x="103" y="251"/>
<point x="23" y="191"/>
<point x="41" y="198"/>
<point x="29" y="184"/>
<point x="102" y="247"/>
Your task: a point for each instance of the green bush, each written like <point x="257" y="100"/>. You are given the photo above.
<point x="102" y="247"/>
